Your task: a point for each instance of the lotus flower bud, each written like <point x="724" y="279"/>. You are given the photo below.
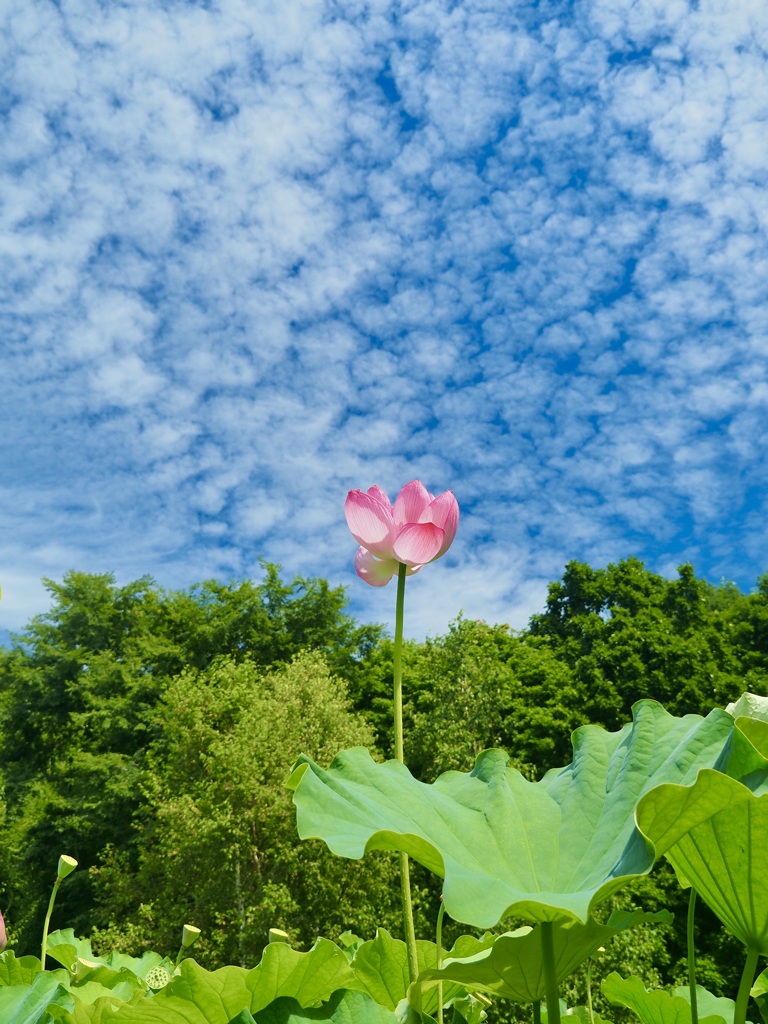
<point x="3" y="936"/>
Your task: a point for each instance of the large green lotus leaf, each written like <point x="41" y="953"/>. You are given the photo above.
<point x="545" y="851"/>
<point x="707" y="1003"/>
<point x="100" y="1012"/>
<point x="26" y="1004"/>
<point x="381" y="967"/>
<point x="745" y="754"/>
<point x="17" y="970"/>
<point x="512" y="968"/>
<point x="65" y="948"/>
<point x="759" y="993"/>
<point x="658" y="1006"/>
<point x="342" y="1008"/>
<point x="751" y="705"/>
<point x="715" y="833"/>
<point x="104" y="983"/>
<point x="197" y="996"/>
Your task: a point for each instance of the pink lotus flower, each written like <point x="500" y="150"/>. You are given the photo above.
<point x="3" y="936"/>
<point x="418" y="529"/>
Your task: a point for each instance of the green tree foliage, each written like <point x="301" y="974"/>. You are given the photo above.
<point x="79" y="693"/>
<point x="148" y="734"/>
<point x="482" y="686"/>
<point x="217" y="834"/>
<point x="627" y="633"/>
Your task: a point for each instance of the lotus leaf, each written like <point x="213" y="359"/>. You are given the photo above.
<point x="660" y="1007"/>
<point x="545" y="851"/>
<point x="381" y="967"/>
<point x="26" y="1004"/>
<point x="17" y="970"/>
<point x="512" y="968"/>
<point x="715" y="833"/>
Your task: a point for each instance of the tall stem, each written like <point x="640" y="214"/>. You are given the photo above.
<point x="439" y="944"/>
<point x="550" y="972"/>
<point x="46" y="925"/>
<point x="405" y="877"/>
<point x="747" y="977"/>
<point x="692" y="959"/>
<point x="398" y="665"/>
<point x="590" y="1011"/>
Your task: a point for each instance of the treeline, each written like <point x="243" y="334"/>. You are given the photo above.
<point x="149" y="733"/>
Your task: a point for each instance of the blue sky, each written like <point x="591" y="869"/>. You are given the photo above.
<point x="256" y="254"/>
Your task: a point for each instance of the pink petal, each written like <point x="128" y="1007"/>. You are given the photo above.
<point x="443" y="512"/>
<point x="418" y="543"/>
<point x="382" y="496"/>
<point x="411" y="502"/>
<point x="376" y="571"/>
<point x="370" y="523"/>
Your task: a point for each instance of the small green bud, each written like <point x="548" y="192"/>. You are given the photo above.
<point x="66" y="866"/>
<point x="189" y="934"/>
<point x="278" y="935"/>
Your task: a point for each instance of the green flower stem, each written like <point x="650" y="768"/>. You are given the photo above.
<point x="398" y="666"/>
<point x="52" y="900"/>
<point x="747" y="977"/>
<point x="405" y="876"/>
<point x="692" y="959"/>
<point x="590" y="1011"/>
<point x="439" y="944"/>
<point x="550" y="972"/>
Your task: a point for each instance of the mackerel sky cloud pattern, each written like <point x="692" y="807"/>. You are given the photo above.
<point x="250" y="256"/>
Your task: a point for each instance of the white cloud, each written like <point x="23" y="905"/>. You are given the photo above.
<point x="252" y="259"/>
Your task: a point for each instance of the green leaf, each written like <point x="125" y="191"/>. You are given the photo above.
<point x="27" y="1004"/>
<point x="745" y="755"/>
<point x="759" y="993"/>
<point x="750" y="705"/>
<point x="197" y="996"/>
<point x="708" y="1004"/>
<point x="65" y="948"/>
<point x="512" y="967"/>
<point x="342" y="1008"/>
<point x="381" y="967"/>
<point x="545" y="851"/>
<point x="309" y="978"/>
<point x="244" y="1017"/>
<point x="18" y="971"/>
<point x="657" y="1006"/>
<point x="715" y="833"/>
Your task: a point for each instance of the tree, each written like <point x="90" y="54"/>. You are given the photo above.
<point x="79" y="693"/>
<point x="217" y="842"/>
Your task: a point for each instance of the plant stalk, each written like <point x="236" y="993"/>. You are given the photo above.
<point x="405" y="875"/>
<point x="692" y="959"/>
<point x="439" y="944"/>
<point x="44" y="948"/>
<point x="747" y="977"/>
<point x="537" y="1013"/>
<point x="590" y="1011"/>
<point x="550" y="972"/>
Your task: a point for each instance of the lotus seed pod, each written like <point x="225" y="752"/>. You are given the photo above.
<point x="278" y="935"/>
<point x="189" y="934"/>
<point x="157" y="978"/>
<point x="66" y="866"/>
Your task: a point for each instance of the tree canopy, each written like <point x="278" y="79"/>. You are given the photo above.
<point x="149" y="734"/>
